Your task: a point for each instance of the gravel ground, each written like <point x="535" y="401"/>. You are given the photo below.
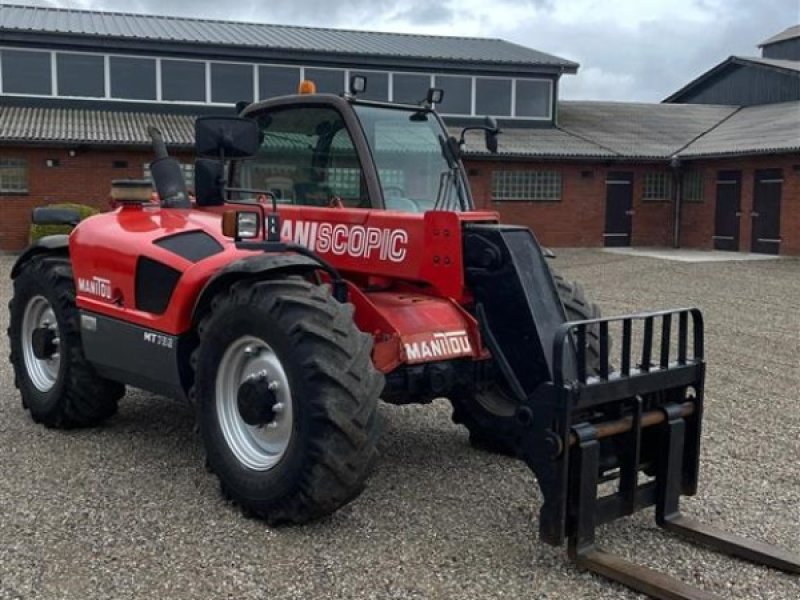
<point x="128" y="511"/>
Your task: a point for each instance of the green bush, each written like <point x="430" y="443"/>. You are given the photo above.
<point x="39" y="231"/>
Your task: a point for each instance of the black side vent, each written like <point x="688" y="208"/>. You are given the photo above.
<point x="155" y="283"/>
<point x="192" y="245"/>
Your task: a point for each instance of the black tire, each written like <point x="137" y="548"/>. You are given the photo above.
<point x="490" y="419"/>
<point x="79" y="397"/>
<point x="334" y="396"/>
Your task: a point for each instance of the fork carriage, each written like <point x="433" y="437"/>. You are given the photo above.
<point x="637" y="427"/>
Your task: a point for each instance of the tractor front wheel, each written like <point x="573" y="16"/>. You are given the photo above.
<point x="287" y="399"/>
<point x="58" y="385"/>
<point x="489" y="414"/>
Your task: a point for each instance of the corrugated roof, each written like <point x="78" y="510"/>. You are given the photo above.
<point x="640" y="130"/>
<point x="84" y="126"/>
<point x="271" y="37"/>
<point x="787" y="34"/>
<point x="536" y="143"/>
<point x="767" y="128"/>
<point x="587" y="130"/>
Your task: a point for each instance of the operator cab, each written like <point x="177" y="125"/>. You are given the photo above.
<point x="332" y="151"/>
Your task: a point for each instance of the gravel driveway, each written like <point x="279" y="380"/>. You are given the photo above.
<point x="128" y="511"/>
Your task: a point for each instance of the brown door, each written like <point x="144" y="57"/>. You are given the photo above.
<point x="619" y="208"/>
<point x="766" y="215"/>
<point x="728" y="210"/>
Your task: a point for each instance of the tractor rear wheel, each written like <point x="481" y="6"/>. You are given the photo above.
<point x="489" y="414"/>
<point x="287" y="399"/>
<point x="58" y="385"/>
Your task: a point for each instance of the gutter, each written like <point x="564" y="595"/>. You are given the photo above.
<point x="677" y="199"/>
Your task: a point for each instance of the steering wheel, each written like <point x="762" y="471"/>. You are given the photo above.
<point x="393" y="191"/>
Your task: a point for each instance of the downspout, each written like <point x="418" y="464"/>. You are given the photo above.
<point x="677" y="199"/>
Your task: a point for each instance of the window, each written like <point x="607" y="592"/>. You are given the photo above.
<point x="526" y="186"/>
<point x="693" y="186"/>
<point x="328" y="81"/>
<point x="533" y="98"/>
<point x="414" y="172"/>
<point x="133" y="78"/>
<point x="81" y="75"/>
<point x="187" y="169"/>
<point x="231" y="83"/>
<point x="26" y="72"/>
<point x="13" y="176"/>
<point x="277" y="81"/>
<point x="182" y="80"/>
<point x="377" y="85"/>
<point x="307" y="158"/>
<point x="119" y="164"/>
<point x="457" y="95"/>
<point x="657" y="186"/>
<point x="410" y="89"/>
<point x="493" y="97"/>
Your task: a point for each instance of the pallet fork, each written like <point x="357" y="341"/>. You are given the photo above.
<point x="637" y="426"/>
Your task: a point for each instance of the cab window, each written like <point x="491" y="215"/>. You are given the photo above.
<point x="307" y="158"/>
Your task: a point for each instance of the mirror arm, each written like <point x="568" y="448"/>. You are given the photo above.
<point x="475" y="128"/>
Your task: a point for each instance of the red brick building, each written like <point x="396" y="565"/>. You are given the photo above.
<point x="726" y="176"/>
<point x="73" y="117"/>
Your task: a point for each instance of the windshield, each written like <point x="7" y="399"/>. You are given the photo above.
<point x="411" y="156"/>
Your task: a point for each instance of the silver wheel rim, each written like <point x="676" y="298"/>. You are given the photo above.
<point x="257" y="447"/>
<point x="43" y="372"/>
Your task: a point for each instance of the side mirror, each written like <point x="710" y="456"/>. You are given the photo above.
<point x="490" y="134"/>
<point x="209" y="182"/>
<point x="228" y="137"/>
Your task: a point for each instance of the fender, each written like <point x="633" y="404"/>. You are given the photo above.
<point x="250" y="268"/>
<point x="50" y="244"/>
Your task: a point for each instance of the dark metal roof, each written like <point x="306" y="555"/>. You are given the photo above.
<point x="778" y="63"/>
<point x="587" y="130"/>
<point x="787" y="34"/>
<point x="791" y="66"/>
<point x="265" y="37"/>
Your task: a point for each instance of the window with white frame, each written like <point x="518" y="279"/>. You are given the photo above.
<point x="186" y="168"/>
<point x="13" y="176"/>
<point x="119" y="77"/>
<point x="692" y="184"/>
<point x="183" y="81"/>
<point x="526" y="186"/>
<point x="26" y="72"/>
<point x="657" y="186"/>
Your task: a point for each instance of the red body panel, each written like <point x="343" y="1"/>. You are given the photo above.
<point x="405" y="271"/>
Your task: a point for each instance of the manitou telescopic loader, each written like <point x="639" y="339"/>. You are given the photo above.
<point x="331" y="256"/>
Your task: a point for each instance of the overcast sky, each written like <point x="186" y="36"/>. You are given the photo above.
<point x="628" y="49"/>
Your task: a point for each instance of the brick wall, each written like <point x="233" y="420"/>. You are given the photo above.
<point x="698" y="219"/>
<point x="84" y="179"/>
<point x="577" y="220"/>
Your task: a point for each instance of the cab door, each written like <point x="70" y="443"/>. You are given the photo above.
<point x="313" y="154"/>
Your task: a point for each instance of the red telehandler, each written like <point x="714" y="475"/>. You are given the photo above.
<point x="330" y="257"/>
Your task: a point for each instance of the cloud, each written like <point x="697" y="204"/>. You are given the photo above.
<point x="430" y="13"/>
<point x="628" y="50"/>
